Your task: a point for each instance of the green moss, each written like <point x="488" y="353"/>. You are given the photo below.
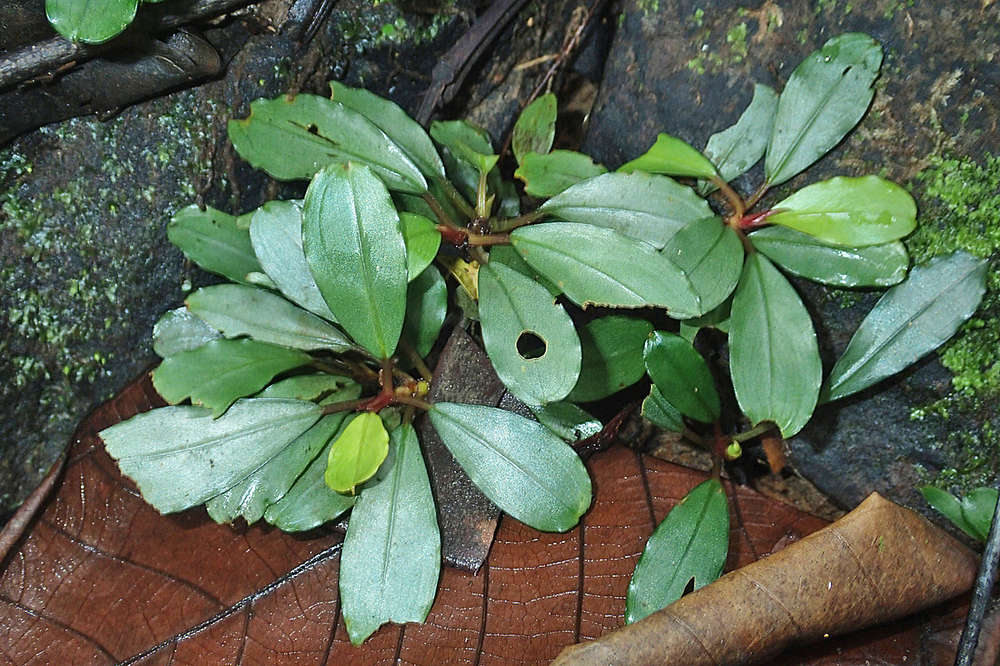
<point x="648" y="7"/>
<point x="736" y="37"/>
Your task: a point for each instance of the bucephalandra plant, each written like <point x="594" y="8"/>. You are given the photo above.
<point x="306" y="371"/>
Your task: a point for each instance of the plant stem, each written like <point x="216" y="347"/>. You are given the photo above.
<point x="756" y="196"/>
<point x="981" y="594"/>
<point x="511" y="223"/>
<point x="488" y="239"/>
<point x="456" y="198"/>
<point x="418" y="362"/>
<point x="439" y="211"/>
<point x="755" y="431"/>
<point x="482" y="198"/>
<point x="735" y="201"/>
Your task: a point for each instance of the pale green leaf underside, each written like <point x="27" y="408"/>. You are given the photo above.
<point x="567" y="420"/>
<point x="535" y="128"/>
<point x="90" y="21"/>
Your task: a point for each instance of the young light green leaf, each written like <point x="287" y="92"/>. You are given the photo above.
<point x="237" y="310"/>
<point x="736" y="149"/>
<point x="422" y="240"/>
<point x="519" y="464"/>
<point x="912" y="319"/>
<point x="567" y="421"/>
<point x="658" y="411"/>
<point x="806" y="256"/>
<point x="672" y="157"/>
<point x="711" y="256"/>
<point x="310" y="503"/>
<point x="549" y="174"/>
<point x="355" y="249"/>
<point x="978" y="508"/>
<point x="217" y="373"/>
<point x="691" y="543"/>
<point x="774" y="358"/>
<point x="682" y="376"/>
<point x="849" y="211"/>
<point x="612" y="356"/>
<point x="426" y="307"/>
<point x="601" y="266"/>
<point x="650" y="208"/>
<point x="823" y="100"/>
<point x="90" y="21"/>
<point x="211" y="239"/>
<point x="357" y="453"/>
<point x="182" y="456"/>
<point x="391" y="560"/>
<point x="535" y="128"/>
<point x="276" y="237"/>
<point x="293" y="138"/>
<point x="178" y="331"/>
<point x="403" y="131"/>
<point x="530" y="339"/>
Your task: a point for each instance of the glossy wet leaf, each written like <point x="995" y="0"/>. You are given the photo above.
<point x="519" y="464"/>
<point x="774" y="359"/>
<point x="357" y="453"/>
<point x="650" y="208"/>
<point x="853" y="212"/>
<point x="682" y="377"/>
<point x="711" y="256"/>
<point x="426" y="307"/>
<point x="218" y="372"/>
<point x="392" y="552"/>
<point x="546" y="175"/>
<point x="530" y="338"/>
<point x="912" y="319"/>
<point x="601" y="266"/>
<point x="737" y="148"/>
<point x="90" y="21"/>
<point x="824" y="99"/>
<point x="178" y="330"/>
<point x="237" y="310"/>
<point x="293" y="138"/>
<point x="182" y="456"/>
<point x="658" y="411"/>
<point x="276" y="237"/>
<point x="880" y="265"/>
<point x="612" y="356"/>
<point x="690" y="544"/>
<point x="404" y="132"/>
<point x="535" y="128"/>
<point x="211" y="239"/>
<point x="567" y="420"/>
<point x="422" y="240"/>
<point x="355" y="249"/>
<point x="672" y="157"/>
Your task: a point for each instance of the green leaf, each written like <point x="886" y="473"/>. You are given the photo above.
<point x="910" y="320"/>
<point x="806" y="256"/>
<point x="519" y="464"/>
<point x="404" y="132"/>
<point x="567" y="421"/>
<point x="658" y="411"/>
<point x="237" y="310"/>
<point x="310" y="503"/>
<point x="179" y="330"/>
<point x="517" y="314"/>
<point x="422" y="240"/>
<point x="711" y="256"/>
<point x="552" y="173"/>
<point x="90" y="21"/>
<point x="949" y="506"/>
<point x="824" y="99"/>
<point x="355" y="249"/>
<point x="682" y="376"/>
<point x="736" y="149"/>
<point x="357" y="453"/>
<point x="293" y="138"/>
<point x="276" y="237"/>
<point x="466" y="149"/>
<point x="646" y="207"/>
<point x="774" y="359"/>
<point x="311" y="387"/>
<point x="690" y="543"/>
<point x="535" y="128"/>
<point x="509" y="257"/>
<point x="182" y="456"/>
<point x="391" y="560"/>
<point x="604" y="267"/>
<point x="211" y="239"/>
<point x="426" y="307"/>
<point x="217" y="373"/>
<point x="977" y="510"/>
<point x="850" y="211"/>
<point x="717" y="318"/>
<point x="673" y="157"/>
<point x="612" y="356"/>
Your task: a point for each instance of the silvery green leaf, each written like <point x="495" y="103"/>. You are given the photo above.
<point x="736" y="149"/>
<point x="178" y="330"/>
<point x="212" y="239"/>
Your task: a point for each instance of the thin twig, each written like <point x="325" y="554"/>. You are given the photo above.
<point x="981" y="594"/>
